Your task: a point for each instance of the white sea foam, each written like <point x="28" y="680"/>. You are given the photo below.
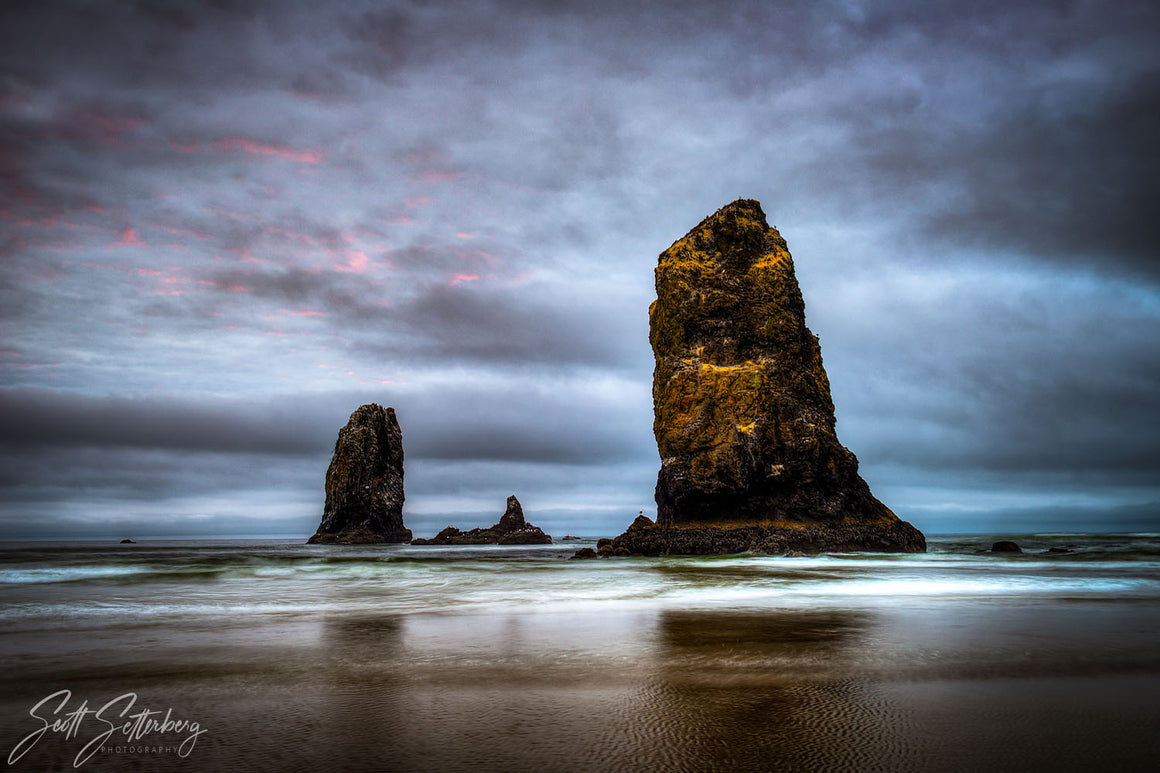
<point x="297" y="580"/>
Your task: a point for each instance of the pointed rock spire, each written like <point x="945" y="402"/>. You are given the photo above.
<point x="743" y="417"/>
<point x="364" y="483"/>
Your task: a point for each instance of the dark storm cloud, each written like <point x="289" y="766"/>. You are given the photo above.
<point x="1002" y="382"/>
<point x="1078" y="181"/>
<point x="1030" y="426"/>
<point x="39" y="418"/>
<point x="123" y="473"/>
<point x="504" y="422"/>
<point x="511" y="325"/>
<point x="1016" y="130"/>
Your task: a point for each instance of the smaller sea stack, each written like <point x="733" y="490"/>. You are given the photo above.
<point x="512" y="529"/>
<point x="364" y="483"/>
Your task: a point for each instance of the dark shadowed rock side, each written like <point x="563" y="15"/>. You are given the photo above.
<point x="364" y="483"/>
<point x="512" y="529"/>
<point x="742" y="412"/>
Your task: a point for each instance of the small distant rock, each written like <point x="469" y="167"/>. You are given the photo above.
<point x="570" y="538"/>
<point x="512" y="529"/>
<point x="1006" y="546"/>
<point x="584" y="553"/>
<point x="128" y="542"/>
<point x="1060" y="550"/>
<point x="603" y="541"/>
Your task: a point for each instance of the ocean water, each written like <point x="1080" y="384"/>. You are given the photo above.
<point x="296" y="657"/>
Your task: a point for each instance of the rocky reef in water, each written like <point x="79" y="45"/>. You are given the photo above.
<point x="512" y="529"/>
<point x="364" y="483"/>
<point x="743" y="418"/>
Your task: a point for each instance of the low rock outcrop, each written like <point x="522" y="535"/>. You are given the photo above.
<point x="743" y="418"/>
<point x="512" y="529"/>
<point x="364" y="483"/>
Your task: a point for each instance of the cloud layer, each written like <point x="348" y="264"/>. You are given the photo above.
<point x="223" y="227"/>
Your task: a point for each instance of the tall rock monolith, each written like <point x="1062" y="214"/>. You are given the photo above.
<point x="743" y="419"/>
<point x="364" y="483"/>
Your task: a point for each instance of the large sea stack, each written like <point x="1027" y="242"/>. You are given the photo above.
<point x="512" y="529"/>
<point x="364" y="483"/>
<point x="742" y="411"/>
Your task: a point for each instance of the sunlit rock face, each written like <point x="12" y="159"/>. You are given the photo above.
<point x="364" y="483"/>
<point x="742" y="411"/>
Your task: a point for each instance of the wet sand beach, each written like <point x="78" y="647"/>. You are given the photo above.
<point x="680" y="664"/>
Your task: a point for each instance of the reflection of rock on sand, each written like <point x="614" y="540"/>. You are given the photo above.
<point x="732" y="691"/>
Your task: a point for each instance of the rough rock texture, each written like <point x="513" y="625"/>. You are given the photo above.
<point x="364" y="483"/>
<point x="512" y="529"/>
<point x="743" y="417"/>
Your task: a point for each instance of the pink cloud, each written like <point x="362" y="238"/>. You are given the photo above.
<point x="246" y="255"/>
<point x="357" y="263"/>
<point x="111" y="127"/>
<point x="297" y="313"/>
<point x="49" y="275"/>
<point x="404" y="214"/>
<point x="98" y="124"/>
<point x="460" y="278"/>
<point x="269" y="149"/>
<point x="426" y="153"/>
<point x="196" y="233"/>
<point x="128" y="238"/>
<point x="26" y="222"/>
<point x="296" y="236"/>
<point x="253" y="147"/>
<point x="465" y="235"/>
<point x="438" y="176"/>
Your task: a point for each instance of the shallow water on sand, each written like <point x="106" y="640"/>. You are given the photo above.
<point x="295" y="657"/>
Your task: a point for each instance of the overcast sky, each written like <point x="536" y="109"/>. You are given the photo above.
<point x="224" y="227"/>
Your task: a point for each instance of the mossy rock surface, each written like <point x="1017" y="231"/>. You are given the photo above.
<point x="743" y="417"/>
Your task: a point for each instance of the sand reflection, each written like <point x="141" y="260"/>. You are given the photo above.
<point x="757" y="691"/>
